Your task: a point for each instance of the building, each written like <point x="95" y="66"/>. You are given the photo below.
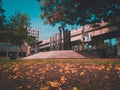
<point x="20" y="51"/>
<point x="34" y="33"/>
<point x="33" y="48"/>
<point x="9" y="50"/>
<point x="101" y="37"/>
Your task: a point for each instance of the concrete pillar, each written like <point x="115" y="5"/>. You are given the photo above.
<point x="36" y="47"/>
<point x="83" y="37"/>
<point x="118" y="47"/>
<point x="55" y="41"/>
<point x="68" y="40"/>
<point x="60" y="39"/>
<point x="50" y="43"/>
<point x="63" y="43"/>
<point x="7" y="54"/>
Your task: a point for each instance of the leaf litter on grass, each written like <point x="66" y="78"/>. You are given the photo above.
<point x="35" y="75"/>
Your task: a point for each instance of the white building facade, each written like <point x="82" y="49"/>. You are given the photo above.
<point x="35" y="33"/>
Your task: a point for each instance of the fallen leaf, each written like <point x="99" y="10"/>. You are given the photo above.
<point x="75" y="88"/>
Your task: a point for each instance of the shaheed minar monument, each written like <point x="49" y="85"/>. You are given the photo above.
<point x="60" y="45"/>
<point x="61" y="40"/>
<point x="102" y="41"/>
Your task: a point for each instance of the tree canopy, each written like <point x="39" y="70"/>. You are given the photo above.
<point x="79" y="12"/>
<point x="17" y="26"/>
<point x="15" y="31"/>
<point x="2" y="16"/>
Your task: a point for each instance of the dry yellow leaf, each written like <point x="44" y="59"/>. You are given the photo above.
<point x="108" y="69"/>
<point x="63" y="79"/>
<point x="75" y="88"/>
<point x="28" y="86"/>
<point x="61" y="70"/>
<point x="106" y="77"/>
<point x="55" y="84"/>
<point x="14" y="77"/>
<point x="117" y="67"/>
<point x="82" y="73"/>
<point x="44" y="88"/>
<point x="19" y="87"/>
<point x="16" y="69"/>
<point x="42" y="78"/>
<point x="59" y="88"/>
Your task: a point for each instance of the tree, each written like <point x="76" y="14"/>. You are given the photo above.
<point x="16" y="28"/>
<point x="79" y="12"/>
<point x="30" y="39"/>
<point x="2" y="22"/>
<point x="2" y="17"/>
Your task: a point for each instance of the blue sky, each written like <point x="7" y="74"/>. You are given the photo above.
<point x="31" y="7"/>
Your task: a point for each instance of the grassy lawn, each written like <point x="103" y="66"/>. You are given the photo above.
<point x="71" y="74"/>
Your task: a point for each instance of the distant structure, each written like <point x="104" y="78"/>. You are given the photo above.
<point x="61" y="40"/>
<point x="34" y="47"/>
<point x="103" y="38"/>
<point x="10" y="50"/>
<point x="34" y="33"/>
<point x="25" y="49"/>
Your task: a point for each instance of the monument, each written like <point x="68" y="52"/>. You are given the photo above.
<point x="61" y="40"/>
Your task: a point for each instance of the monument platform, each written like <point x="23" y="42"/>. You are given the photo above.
<point x="60" y="54"/>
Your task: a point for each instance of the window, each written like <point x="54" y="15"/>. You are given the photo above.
<point x="112" y="41"/>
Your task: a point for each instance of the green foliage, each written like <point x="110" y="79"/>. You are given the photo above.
<point x="19" y="23"/>
<point x="79" y="42"/>
<point x="78" y="11"/>
<point x="30" y="39"/>
<point x="79" y="61"/>
<point x="2" y="17"/>
<point x="16" y="28"/>
<point x="3" y="34"/>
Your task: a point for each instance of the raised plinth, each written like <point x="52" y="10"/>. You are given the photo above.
<point x="62" y="54"/>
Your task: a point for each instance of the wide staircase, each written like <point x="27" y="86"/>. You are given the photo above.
<point x="60" y="54"/>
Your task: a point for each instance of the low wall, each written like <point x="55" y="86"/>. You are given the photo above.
<point x="8" y="55"/>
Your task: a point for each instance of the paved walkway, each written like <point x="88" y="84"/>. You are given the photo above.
<point x="64" y="54"/>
